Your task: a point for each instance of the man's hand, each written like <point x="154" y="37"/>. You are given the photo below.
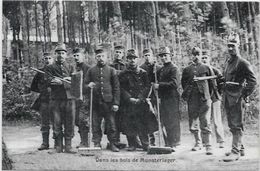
<point x="56" y="81"/>
<point x="134" y="100"/>
<point x="91" y="85"/>
<point x="67" y="78"/>
<point x="156" y="86"/>
<point x="115" y="108"/>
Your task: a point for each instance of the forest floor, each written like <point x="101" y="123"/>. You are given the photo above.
<point x="22" y="142"/>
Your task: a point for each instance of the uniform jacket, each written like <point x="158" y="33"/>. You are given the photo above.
<point x="204" y="87"/>
<point x="216" y="90"/>
<point x="135" y="84"/>
<point x="64" y="70"/>
<point x="149" y="68"/>
<point x="40" y="85"/>
<point x="238" y="70"/>
<point x="83" y="67"/>
<point x="168" y="80"/>
<point x="119" y="65"/>
<point x="107" y="84"/>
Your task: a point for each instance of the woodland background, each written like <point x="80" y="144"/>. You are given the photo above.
<point x="30" y="28"/>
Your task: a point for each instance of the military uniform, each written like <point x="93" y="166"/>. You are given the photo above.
<point x="237" y="70"/>
<point x="149" y="68"/>
<point x="197" y="95"/>
<point x="136" y="119"/>
<point x="62" y="103"/>
<point x="105" y="94"/>
<point x="82" y="115"/>
<point x="39" y="84"/>
<point x="168" y="80"/>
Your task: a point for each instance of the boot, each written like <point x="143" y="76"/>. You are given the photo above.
<point x="83" y="140"/>
<point x="207" y="141"/>
<point x="209" y="150"/>
<point x="45" y="142"/>
<point x="68" y="148"/>
<point x="242" y="150"/>
<point x="231" y="157"/>
<point x="113" y="147"/>
<point x="131" y="143"/>
<point x="197" y="145"/>
<point x="59" y="144"/>
<point x="152" y="139"/>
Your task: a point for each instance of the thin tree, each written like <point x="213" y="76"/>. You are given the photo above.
<point x="59" y="26"/>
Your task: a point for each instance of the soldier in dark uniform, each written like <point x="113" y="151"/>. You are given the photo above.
<point x="106" y="97"/>
<point x="119" y="65"/>
<point x="237" y="70"/>
<point x="134" y="87"/>
<point x="39" y="84"/>
<point x="62" y="103"/>
<point x="81" y="118"/>
<point x="168" y="83"/>
<point x="149" y="67"/>
<point x="197" y="95"/>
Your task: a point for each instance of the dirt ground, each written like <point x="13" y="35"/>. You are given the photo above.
<point x="22" y="143"/>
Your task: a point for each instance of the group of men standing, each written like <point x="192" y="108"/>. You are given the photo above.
<point x="120" y="94"/>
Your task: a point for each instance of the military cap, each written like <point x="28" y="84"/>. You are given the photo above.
<point x="196" y="51"/>
<point x="100" y="49"/>
<point x="131" y="53"/>
<point x="164" y="50"/>
<point x="77" y="50"/>
<point x="119" y="47"/>
<point x="147" y="51"/>
<point x="233" y="39"/>
<point x="205" y="53"/>
<point x="46" y="54"/>
<point x="61" y="47"/>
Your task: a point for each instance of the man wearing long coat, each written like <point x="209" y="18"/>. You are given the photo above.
<point x="168" y="83"/>
<point x="136" y="119"/>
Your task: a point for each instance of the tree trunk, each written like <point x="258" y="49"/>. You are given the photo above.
<point x="117" y="11"/>
<point x="36" y="34"/>
<point x="158" y="25"/>
<point x="44" y="23"/>
<point x="154" y="25"/>
<point x="64" y="20"/>
<point x="224" y="9"/>
<point x="82" y="26"/>
<point x="25" y="35"/>
<point x="93" y="26"/>
<point x="48" y="27"/>
<point x="59" y="26"/>
<point x="255" y="33"/>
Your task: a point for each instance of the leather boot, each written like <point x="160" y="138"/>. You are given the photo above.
<point x="235" y="152"/>
<point x="68" y="148"/>
<point x="152" y="139"/>
<point x="113" y="147"/>
<point x="45" y="142"/>
<point x="197" y="145"/>
<point x="131" y="143"/>
<point x="207" y="141"/>
<point x="59" y="144"/>
<point x="83" y="139"/>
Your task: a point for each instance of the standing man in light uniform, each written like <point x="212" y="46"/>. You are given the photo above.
<point x="216" y="100"/>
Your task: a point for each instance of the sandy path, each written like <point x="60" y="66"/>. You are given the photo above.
<point x="22" y="143"/>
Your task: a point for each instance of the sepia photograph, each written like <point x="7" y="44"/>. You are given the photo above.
<point x="130" y="85"/>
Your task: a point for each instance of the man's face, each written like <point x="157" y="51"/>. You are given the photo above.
<point x="233" y="49"/>
<point x="47" y="60"/>
<point x="119" y="54"/>
<point x="149" y="58"/>
<point x="205" y="59"/>
<point x="102" y="58"/>
<point x="79" y="57"/>
<point x="61" y="56"/>
<point x="132" y="61"/>
<point x="165" y="58"/>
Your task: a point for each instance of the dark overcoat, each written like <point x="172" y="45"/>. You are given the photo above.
<point x="136" y="117"/>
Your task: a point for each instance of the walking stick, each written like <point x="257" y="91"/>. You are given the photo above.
<point x="90" y="151"/>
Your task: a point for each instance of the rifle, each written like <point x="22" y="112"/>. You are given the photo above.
<point x="42" y="72"/>
<point x="204" y="78"/>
